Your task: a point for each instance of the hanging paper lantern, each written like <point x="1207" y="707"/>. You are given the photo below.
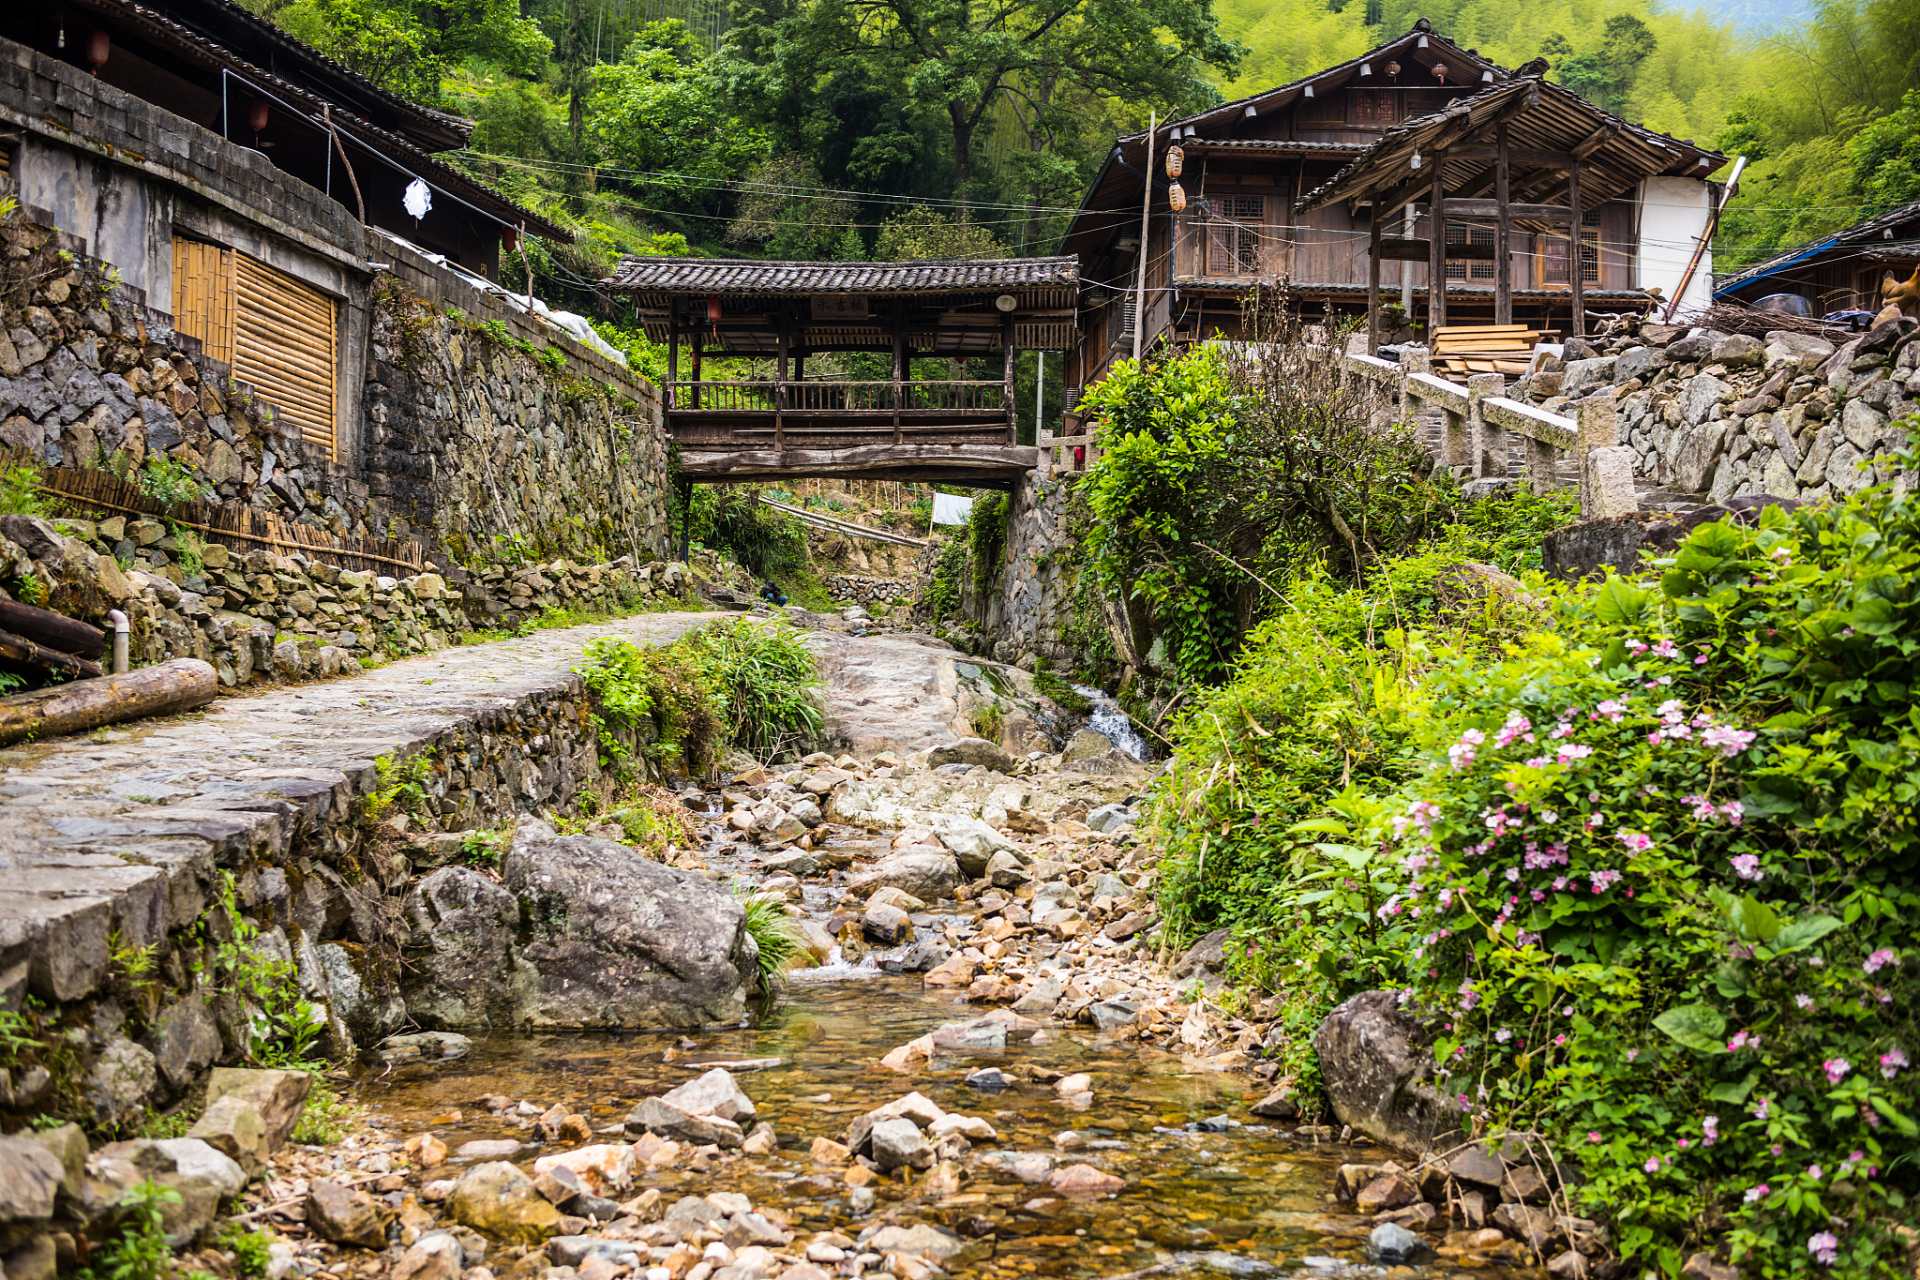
<point x="1176" y="159"/>
<point x="1176" y="196"/>
<point x="257" y="116"/>
<point x="99" y="48"/>
<point x="1440" y="72"/>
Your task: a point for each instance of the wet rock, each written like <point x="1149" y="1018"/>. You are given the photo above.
<point x="898" y="1143"/>
<point x="1113" y="1015"/>
<point x="827" y="1151"/>
<point x="1086" y="745"/>
<point x="1524" y="1183"/>
<point x="1373" y="1057"/>
<point x="425" y="1046"/>
<point x="974" y="843"/>
<point x="972" y="751"/>
<point x="744" y="1230"/>
<point x="68" y="1145"/>
<point x="489" y="1149"/>
<point x="1041" y="995"/>
<point x="279" y="1096"/>
<point x="793" y="862"/>
<point x="989" y="1080"/>
<point x="234" y="1127"/>
<point x="1479" y="1167"/>
<point x="1083" y="1181"/>
<point x="1278" y="1105"/>
<point x="575" y="1251"/>
<point x="201" y="1176"/>
<point x="500" y="1201"/>
<point x="922" y="1239"/>
<point x="344" y="1215"/>
<point x="620" y="940"/>
<point x="652" y="1115"/>
<point x="1535" y="1226"/>
<point x="1389" y="1191"/>
<point x="975" y="1036"/>
<point x="1570" y="1266"/>
<point x="604" y="1169"/>
<point x="437" y="1255"/>
<point x="462" y="967"/>
<point x="1109" y="818"/>
<point x="1392" y="1245"/>
<point x="925" y="873"/>
<point x="713" y="1094"/>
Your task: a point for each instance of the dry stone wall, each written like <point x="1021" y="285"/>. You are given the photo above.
<point x="474" y="445"/>
<point x="260" y="615"/>
<point x="1722" y="415"/>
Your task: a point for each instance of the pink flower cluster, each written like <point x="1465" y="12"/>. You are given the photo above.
<point x="1879" y="960"/>
<point x="1747" y="866"/>
<point x="1836" y="1069"/>
<point x="1892" y="1061"/>
<point x="1825" y="1248"/>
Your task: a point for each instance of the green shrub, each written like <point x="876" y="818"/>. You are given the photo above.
<point x="764" y="679"/>
<point x="732" y="519"/>
<point x="20" y="492"/>
<point x="776" y="933"/>
<point x="140" y="1251"/>
<point x="171" y="484"/>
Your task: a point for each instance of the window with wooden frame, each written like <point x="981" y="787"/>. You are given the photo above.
<point x="1374" y="108"/>
<point x="278" y="333"/>
<point x="1552" y="249"/>
<point x="1469" y="269"/>
<point x="1233" y="235"/>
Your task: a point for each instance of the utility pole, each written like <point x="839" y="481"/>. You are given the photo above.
<point x="1146" y="207"/>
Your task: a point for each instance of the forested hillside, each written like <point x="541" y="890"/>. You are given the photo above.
<point x="891" y="128"/>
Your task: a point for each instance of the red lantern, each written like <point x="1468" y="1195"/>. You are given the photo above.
<point x="713" y="311"/>
<point x="1393" y="69"/>
<point x="1440" y="72"/>
<point x="99" y="48"/>
<point x="257" y="116"/>
<point x="509" y="239"/>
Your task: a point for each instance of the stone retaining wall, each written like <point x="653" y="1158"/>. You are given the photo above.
<point x="864" y="590"/>
<point x="1724" y="415"/>
<point x="262" y="615"/>
<point x="161" y="841"/>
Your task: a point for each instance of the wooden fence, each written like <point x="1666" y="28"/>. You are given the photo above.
<point x="89" y="493"/>
<point x="1477" y="419"/>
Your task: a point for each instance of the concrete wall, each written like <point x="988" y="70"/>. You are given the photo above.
<point x="1673" y="216"/>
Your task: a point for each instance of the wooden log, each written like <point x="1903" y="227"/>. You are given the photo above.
<point x="170" y="687"/>
<point x="54" y="630"/>
<point x="15" y="648"/>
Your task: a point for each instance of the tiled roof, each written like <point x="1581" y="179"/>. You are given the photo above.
<point x="1870" y="230"/>
<point x="1271" y="144"/>
<point x="746" y="275"/>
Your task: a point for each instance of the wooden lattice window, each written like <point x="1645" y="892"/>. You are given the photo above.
<point x="1374" y="107"/>
<point x="278" y="333"/>
<point x="1553" y="252"/>
<point x="1233" y="235"/>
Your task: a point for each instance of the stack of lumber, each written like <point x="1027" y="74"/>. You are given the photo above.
<point x="1459" y="350"/>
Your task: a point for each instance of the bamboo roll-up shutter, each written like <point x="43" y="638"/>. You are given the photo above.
<point x="203" y="295"/>
<point x="284" y="344"/>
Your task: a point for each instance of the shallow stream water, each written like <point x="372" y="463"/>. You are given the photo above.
<point x="1197" y="1180"/>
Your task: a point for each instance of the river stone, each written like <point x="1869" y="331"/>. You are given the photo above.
<point x="279" y="1096"/>
<point x="898" y="1143"/>
<point x="794" y="862"/>
<point x="975" y="1036"/>
<point x="652" y="1115"/>
<point x="343" y="1215"/>
<point x="713" y="1094"/>
<point x="1084" y="1181"/>
<point x="1109" y="818"/>
<point x="925" y="873"/>
<point x="437" y="1255"/>
<point x="887" y="924"/>
<point x="603" y="1168"/>
<point x="1373" y="1058"/>
<point x="989" y="1080"/>
<point x="368" y="1003"/>
<point x="500" y="1201"/>
<point x="1391" y="1244"/>
<point x="462" y="968"/>
<point x="1112" y="1015"/>
<point x="620" y="940"/>
<point x="974" y="843"/>
<point x="1042" y="995"/>
<point x="972" y="751"/>
<point x="922" y="1238"/>
<point x="1004" y="871"/>
<point x="1479" y="1167"/>
<point x="1086" y="745"/>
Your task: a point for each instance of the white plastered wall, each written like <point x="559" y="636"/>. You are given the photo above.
<point x="1673" y="215"/>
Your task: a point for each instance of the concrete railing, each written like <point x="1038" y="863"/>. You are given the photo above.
<point x="1477" y="418"/>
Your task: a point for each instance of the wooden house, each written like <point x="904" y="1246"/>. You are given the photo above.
<point x="1230" y="225"/>
<point x="1840" y="272"/>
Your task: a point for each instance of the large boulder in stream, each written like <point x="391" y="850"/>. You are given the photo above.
<point x="929" y="873"/>
<point x="1374" y="1058"/>
<point x="463" y="969"/>
<point x="621" y="941"/>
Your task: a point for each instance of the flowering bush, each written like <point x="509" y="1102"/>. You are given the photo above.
<point x="1660" y="871"/>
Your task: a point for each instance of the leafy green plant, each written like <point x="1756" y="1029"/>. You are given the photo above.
<point x="1059" y="691"/>
<point x="20" y="492"/>
<point x="402" y="785"/>
<point x="327" y="1115"/>
<point x="140" y="1251"/>
<point x="172" y="484"/>
<point x="485" y="847"/>
<point x="30" y="589"/>
<point x="764" y="679"/>
<point x="249" y="1247"/>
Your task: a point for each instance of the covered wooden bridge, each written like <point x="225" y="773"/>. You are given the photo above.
<point x="788" y="424"/>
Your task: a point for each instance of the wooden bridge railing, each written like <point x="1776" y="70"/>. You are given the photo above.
<point x="1477" y="418"/>
<point x="840" y="397"/>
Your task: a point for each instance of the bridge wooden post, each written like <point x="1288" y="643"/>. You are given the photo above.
<point x="780" y="380"/>
<point x="899" y="367"/>
<point x="1006" y="337"/>
<point x="673" y="353"/>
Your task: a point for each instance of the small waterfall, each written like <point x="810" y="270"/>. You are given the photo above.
<point x="836" y="967"/>
<point x="1106" y="718"/>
